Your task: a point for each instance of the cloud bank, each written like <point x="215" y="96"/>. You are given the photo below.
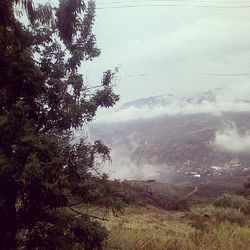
<point x="231" y="140"/>
<point x="235" y="98"/>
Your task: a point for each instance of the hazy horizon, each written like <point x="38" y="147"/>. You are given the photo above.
<point x="170" y="46"/>
<point x="182" y="50"/>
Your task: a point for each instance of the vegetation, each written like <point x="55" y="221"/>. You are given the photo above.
<point x="247" y="183"/>
<point x="218" y="214"/>
<point x="48" y="181"/>
<point x="43" y="100"/>
<point x="153" y="228"/>
<point x="142" y="193"/>
<point x="228" y="200"/>
<point x="145" y="224"/>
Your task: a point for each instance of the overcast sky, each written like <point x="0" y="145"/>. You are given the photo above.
<point x="169" y="49"/>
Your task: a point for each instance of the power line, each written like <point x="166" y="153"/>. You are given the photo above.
<point x="188" y="74"/>
<point x="223" y="74"/>
<point x="174" y="5"/>
<point x="178" y="1"/>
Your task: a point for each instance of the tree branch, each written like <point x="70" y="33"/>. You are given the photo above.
<point x="92" y="216"/>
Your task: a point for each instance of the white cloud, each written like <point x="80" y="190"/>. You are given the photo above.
<point x="235" y="98"/>
<point x="231" y="140"/>
<point x="123" y="167"/>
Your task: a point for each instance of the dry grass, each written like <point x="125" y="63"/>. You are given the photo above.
<point x="152" y="229"/>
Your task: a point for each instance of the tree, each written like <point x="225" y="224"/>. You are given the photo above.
<point x="43" y="99"/>
<point x="7" y="10"/>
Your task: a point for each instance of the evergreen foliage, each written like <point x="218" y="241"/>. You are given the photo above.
<point x="43" y="99"/>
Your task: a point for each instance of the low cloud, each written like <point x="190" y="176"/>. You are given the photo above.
<point x="124" y="167"/>
<point x="230" y="139"/>
<point x="235" y="98"/>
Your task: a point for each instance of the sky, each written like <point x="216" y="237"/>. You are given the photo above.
<point x="180" y="47"/>
<point x="182" y="50"/>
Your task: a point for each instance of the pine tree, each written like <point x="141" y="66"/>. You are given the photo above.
<point x="43" y="99"/>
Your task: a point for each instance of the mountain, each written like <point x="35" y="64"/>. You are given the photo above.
<point x="208" y="96"/>
<point x="168" y="99"/>
<point x="151" y="101"/>
<point x="180" y="144"/>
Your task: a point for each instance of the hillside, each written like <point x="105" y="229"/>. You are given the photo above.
<point x="151" y="228"/>
<point x="183" y="144"/>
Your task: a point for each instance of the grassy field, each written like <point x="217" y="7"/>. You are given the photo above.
<point x="152" y="228"/>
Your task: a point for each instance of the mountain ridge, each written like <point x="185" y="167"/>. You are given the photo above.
<point x="166" y="99"/>
<point x="183" y="142"/>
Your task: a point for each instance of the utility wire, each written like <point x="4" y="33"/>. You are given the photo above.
<point x="187" y="74"/>
<point x="122" y="6"/>
<point x="177" y="1"/>
<point x="174" y="5"/>
<point x="223" y="74"/>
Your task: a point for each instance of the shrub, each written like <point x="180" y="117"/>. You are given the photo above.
<point x="228" y="200"/>
<point x="90" y="232"/>
<point x="181" y="205"/>
<point x="229" y="214"/>
<point x="200" y="225"/>
<point x="246" y="183"/>
<point x="219" y="213"/>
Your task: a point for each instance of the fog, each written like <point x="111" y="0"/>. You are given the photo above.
<point x="230" y="139"/>
<point x="234" y="98"/>
<point x="123" y="166"/>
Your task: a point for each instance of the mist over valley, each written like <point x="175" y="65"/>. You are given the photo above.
<point x="195" y="139"/>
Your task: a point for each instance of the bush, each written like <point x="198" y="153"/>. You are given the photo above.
<point x="85" y="233"/>
<point x="229" y="214"/>
<point x="228" y="200"/>
<point x="92" y="233"/>
<point x="180" y="205"/>
<point x="200" y="225"/>
<point x="219" y="213"/>
<point x="247" y="183"/>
